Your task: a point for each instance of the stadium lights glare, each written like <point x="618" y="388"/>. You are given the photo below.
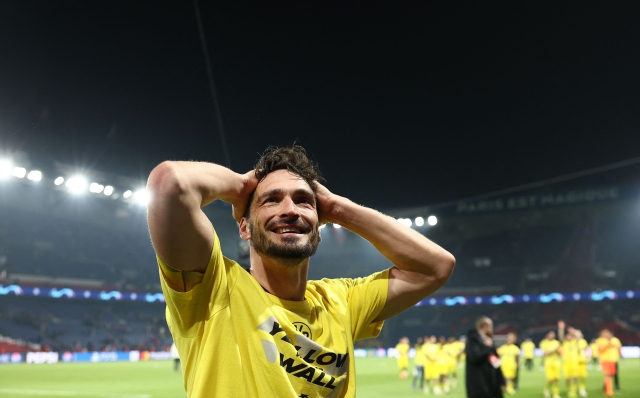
<point x="419" y="221"/>
<point x="5" y="169"/>
<point x="95" y="187"/>
<point x="141" y="196"/>
<point x="76" y="184"/>
<point x="34" y="175"/>
<point x="127" y="194"/>
<point x="322" y="226"/>
<point x="432" y="220"/>
<point x="108" y="190"/>
<point x="58" y="180"/>
<point x="405" y="221"/>
<point x="337" y="226"/>
<point x="19" y="172"/>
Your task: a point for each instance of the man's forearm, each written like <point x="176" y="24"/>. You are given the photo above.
<point x="204" y="182"/>
<point x="404" y="247"/>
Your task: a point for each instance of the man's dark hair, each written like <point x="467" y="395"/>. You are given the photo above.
<point x="294" y="159"/>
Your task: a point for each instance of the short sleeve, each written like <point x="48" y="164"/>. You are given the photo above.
<point x="366" y="298"/>
<point x="193" y="297"/>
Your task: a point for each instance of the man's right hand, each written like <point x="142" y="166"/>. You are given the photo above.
<point x="241" y="202"/>
<point x="488" y="341"/>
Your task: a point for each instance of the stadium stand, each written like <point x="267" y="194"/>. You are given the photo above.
<point x="568" y="238"/>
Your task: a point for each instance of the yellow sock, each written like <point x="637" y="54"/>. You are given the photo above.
<point x="555" y="389"/>
<point x="583" y="385"/>
<point x="509" y="385"/>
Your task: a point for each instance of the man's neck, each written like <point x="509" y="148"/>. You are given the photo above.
<point x="284" y="281"/>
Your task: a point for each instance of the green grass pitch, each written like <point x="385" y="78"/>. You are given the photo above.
<point x="376" y="377"/>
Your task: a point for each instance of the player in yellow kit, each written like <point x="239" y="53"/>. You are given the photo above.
<point x="528" y="349"/>
<point x="595" y="353"/>
<point x="403" y="357"/>
<point x="453" y="352"/>
<point x="509" y="354"/>
<point x="582" y="363"/>
<point x="569" y="352"/>
<point x="418" y="371"/>
<point x="609" y="348"/>
<point x="444" y="364"/>
<point x="550" y="347"/>
<point x="430" y="351"/>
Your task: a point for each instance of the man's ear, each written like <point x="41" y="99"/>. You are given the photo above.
<point x="245" y="231"/>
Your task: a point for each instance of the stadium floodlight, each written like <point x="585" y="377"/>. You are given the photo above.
<point x="407" y="222"/>
<point x="108" y="190"/>
<point x="141" y="196"/>
<point x="432" y="220"/>
<point x="58" y="180"/>
<point x="127" y="194"/>
<point x="337" y="226"/>
<point x="76" y="184"/>
<point x="5" y="169"/>
<point x="95" y="187"/>
<point x="322" y="226"/>
<point x="419" y="221"/>
<point x="34" y="175"/>
<point x="19" y="172"/>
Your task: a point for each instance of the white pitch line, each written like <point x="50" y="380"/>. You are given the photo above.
<point x="70" y="393"/>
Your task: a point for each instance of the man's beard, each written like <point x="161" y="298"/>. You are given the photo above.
<point x="291" y="253"/>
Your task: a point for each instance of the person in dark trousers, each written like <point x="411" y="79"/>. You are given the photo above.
<point x="484" y="378"/>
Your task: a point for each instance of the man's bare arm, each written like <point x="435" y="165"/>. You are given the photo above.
<point x="420" y="266"/>
<point x="180" y="231"/>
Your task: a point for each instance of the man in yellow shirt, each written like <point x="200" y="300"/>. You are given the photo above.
<point x="582" y="362"/>
<point x="550" y="348"/>
<point x="609" y="349"/>
<point x="418" y="373"/>
<point x="267" y="331"/>
<point x="509" y="355"/>
<point x="528" y="350"/>
<point x="431" y="371"/>
<point x="569" y="352"/>
<point x="452" y="349"/>
<point x="403" y="357"/>
<point x="595" y="354"/>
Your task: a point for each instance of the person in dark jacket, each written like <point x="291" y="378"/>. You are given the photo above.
<point x="484" y="378"/>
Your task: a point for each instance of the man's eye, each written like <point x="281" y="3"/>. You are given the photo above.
<point x="270" y="200"/>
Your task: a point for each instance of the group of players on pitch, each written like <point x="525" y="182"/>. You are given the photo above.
<point x="437" y="360"/>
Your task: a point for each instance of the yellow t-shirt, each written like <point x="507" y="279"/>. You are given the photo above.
<point x="236" y="340"/>
<point x="420" y="359"/>
<point x="570" y="351"/>
<point x="595" y="352"/>
<point x="460" y="346"/>
<point x="430" y="352"/>
<point x="582" y="346"/>
<point x="451" y="351"/>
<point x="548" y="346"/>
<point x="508" y="355"/>
<point x="403" y="349"/>
<point x="609" y="349"/>
<point x="529" y="349"/>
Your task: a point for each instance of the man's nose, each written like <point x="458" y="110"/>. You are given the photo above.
<point x="289" y="208"/>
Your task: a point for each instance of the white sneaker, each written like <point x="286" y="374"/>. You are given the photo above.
<point x="546" y="394"/>
<point x="583" y="393"/>
<point x="426" y="390"/>
<point x="437" y="390"/>
<point x="557" y="396"/>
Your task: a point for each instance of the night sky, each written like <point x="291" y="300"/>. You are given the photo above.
<point x="401" y="104"/>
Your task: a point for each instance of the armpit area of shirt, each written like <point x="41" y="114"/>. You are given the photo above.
<point x="180" y="281"/>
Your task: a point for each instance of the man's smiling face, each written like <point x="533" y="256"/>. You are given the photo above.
<point x="283" y="218"/>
